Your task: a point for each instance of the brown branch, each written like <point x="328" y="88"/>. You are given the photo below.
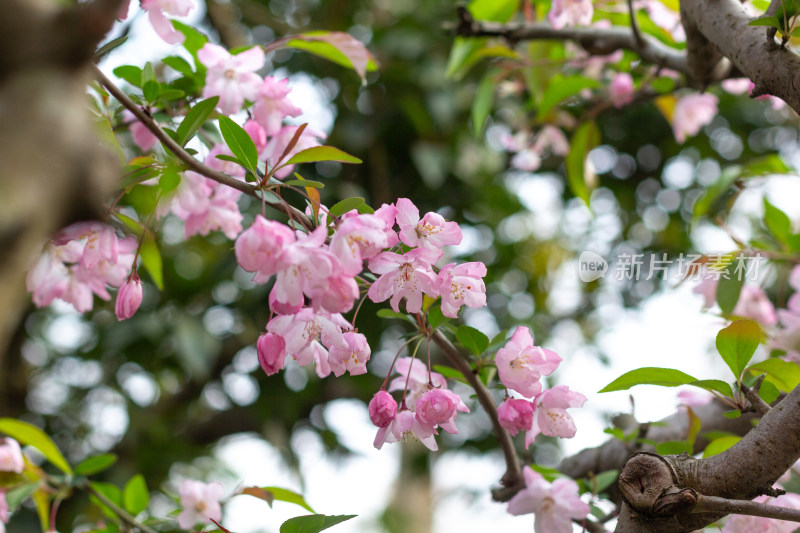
<point x="512" y="480"/>
<point x="195" y="165"/>
<point x="714" y="504"/>
<point x="597" y="41"/>
<point x="772" y="10"/>
<point x="119" y="511"/>
<point x="757" y="404"/>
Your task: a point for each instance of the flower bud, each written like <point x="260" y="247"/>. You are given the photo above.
<point x="515" y="415"/>
<point x="129" y="298"/>
<point x="271" y="352"/>
<point x="382" y="409"/>
<point x="11" y="456"/>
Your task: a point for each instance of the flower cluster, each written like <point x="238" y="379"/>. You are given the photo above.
<point x="427" y="405"/>
<point x="82" y="260"/>
<point x="316" y="280"/>
<point x="520" y="366"/>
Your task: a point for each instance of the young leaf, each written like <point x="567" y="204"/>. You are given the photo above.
<point x="322" y="153"/>
<point x="195" y="118"/>
<point x="737" y="343"/>
<point x="151" y="259"/>
<point x="129" y="73"/>
<point x="305" y="183"/>
<point x="729" y="288"/>
<point x="714" y="385"/>
<point x="472" y="339"/>
<point x="312" y="523"/>
<point x="179" y="64"/>
<point x="768" y="392"/>
<point x="664" y="377"/>
<point x="348" y="204"/>
<point x="435" y="316"/>
<point x="29" y="434"/>
<point x="271" y="494"/>
<point x="482" y="104"/>
<point x="239" y="142"/>
<point x="785" y="375"/>
<point x="15" y="496"/>
<point x="194" y="39"/>
<point x="777" y="222"/>
<point x="110" y="491"/>
<point x="720" y="445"/>
<point x="674" y="447"/>
<point x="151" y="90"/>
<point x="96" y="464"/>
<point x="603" y="480"/>
<point x="339" y="47"/>
<point x="585" y="139"/>
<point x="148" y="73"/>
<point x="561" y="88"/>
<point x="135" y="496"/>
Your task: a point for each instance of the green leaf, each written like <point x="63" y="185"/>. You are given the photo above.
<point x="151" y="90"/>
<point x="729" y="287"/>
<point x="338" y="47"/>
<point x="450" y="373"/>
<point x="135" y="496"/>
<point x="785" y="375"/>
<point x="271" y="494"/>
<point x="169" y="93"/>
<point x="108" y="47"/>
<point x="194" y="39"/>
<point x="110" y="491"/>
<point x="674" y="447"/>
<point x="766" y="21"/>
<point x="322" y="153"/>
<point x="493" y="10"/>
<point x="603" y="480"/>
<point x="777" y="222"/>
<point x="239" y="142"/>
<point x="305" y="183"/>
<point x="472" y="339"/>
<point x="170" y="179"/>
<point x="348" y="204"/>
<point x="151" y="259"/>
<point x="482" y="103"/>
<point x="148" y="73"/>
<point x="561" y="88"/>
<point x="720" y="445"/>
<point x="195" y="118"/>
<point x="548" y="473"/>
<point x="129" y="73"/>
<point x="768" y="392"/>
<point x="735" y="413"/>
<point x="16" y="495"/>
<point x="388" y="313"/>
<point x="664" y="377"/>
<point x="179" y="64"/>
<point x="714" y="385"/>
<point x="737" y="343"/>
<point x="32" y="436"/>
<point x="617" y="433"/>
<point x="96" y="464"/>
<point x="663" y="84"/>
<point x="312" y="523"/>
<point x="435" y="316"/>
<point x="584" y="140"/>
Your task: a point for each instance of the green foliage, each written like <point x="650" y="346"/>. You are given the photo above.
<point x="29" y="434"/>
<point x="472" y="339"/>
<point x="240" y="143"/>
<point x="312" y="523"/>
<point x="195" y="118"/>
<point x="737" y="343"/>
<point x="586" y="137"/>
<point x="95" y="464"/>
<point x="271" y="494"/>
<point x="322" y="153"/>
<point x="135" y="496"/>
<point x="720" y="444"/>
<point x="665" y="377"/>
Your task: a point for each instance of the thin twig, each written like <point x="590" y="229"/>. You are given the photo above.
<point x="715" y="504"/>
<point x="195" y="165"/>
<point x="635" y="24"/>
<point x="120" y="512"/>
<point x="512" y="480"/>
<point x="757" y="404"/>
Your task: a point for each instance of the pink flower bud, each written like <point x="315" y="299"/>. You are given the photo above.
<point x="11" y="456"/>
<point x="382" y="409"/>
<point x="621" y="89"/>
<point x="129" y="298"/>
<point x="515" y="415"/>
<point x="440" y="407"/>
<point x="271" y="352"/>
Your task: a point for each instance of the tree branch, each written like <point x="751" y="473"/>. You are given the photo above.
<point x="195" y="165"/>
<point x="714" y="504"/>
<point x="597" y="41"/>
<point x="512" y="480"/>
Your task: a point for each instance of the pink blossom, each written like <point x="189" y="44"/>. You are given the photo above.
<point x="461" y="285"/>
<point x="142" y="137"/>
<point x="231" y="77"/>
<point x="692" y="397"/>
<point x="665" y="18"/>
<point x="271" y="353"/>
<point x="404" y="276"/>
<point x="257" y="133"/>
<point x="11" y="456"/>
<point x="309" y="335"/>
<point x="516" y="415"/>
<point x="357" y="238"/>
<point x="520" y="364"/>
<point x="526" y="160"/>
<point x="157" y="11"/>
<point x="440" y="407"/>
<point x="751" y="524"/>
<point x="405" y="427"/>
<point x="382" y="409"/>
<point x="387" y="213"/>
<point x="691" y="113"/>
<point x="259" y="247"/>
<point x="216" y="211"/>
<point x="432" y="230"/>
<point x="737" y="85"/>
<point x="753" y="303"/>
<point x="272" y="104"/>
<point x="551" y="417"/>
<point x="4" y="511"/>
<point x="415" y="374"/>
<point x="554" y="505"/>
<point x="621" y="90"/>
<point x="351" y="359"/>
<point x="280" y="141"/>
<point x="129" y="298"/>
<point x="200" y="502"/>
<point x="551" y="140"/>
<point x="570" y="13"/>
<point x="337" y="294"/>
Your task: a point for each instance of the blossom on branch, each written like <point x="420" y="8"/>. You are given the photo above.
<point x="570" y="13"/>
<point x="157" y="11"/>
<point x="129" y="298"/>
<point x="405" y="427"/>
<point x="351" y="359"/>
<point x="231" y="77"/>
<point x="272" y="104"/>
<point x="432" y="231"/>
<point x="200" y="502"/>
<point x="515" y="415"/>
<point x="461" y="285"/>
<point x="11" y="456"/>
<point x="691" y="113"/>
<point x="382" y="409"/>
<point x="259" y="247"/>
<point x="440" y="407"/>
<point x="415" y="379"/>
<point x="520" y="364"/>
<point x="551" y="417"/>
<point x="554" y="505"/>
<point x="404" y="276"/>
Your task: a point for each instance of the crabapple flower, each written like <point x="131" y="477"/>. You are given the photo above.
<point x="520" y="364"/>
<point x="753" y="303"/>
<point x="570" y="13"/>
<point x="309" y="335"/>
<point x="415" y="373"/>
<point x="692" y="112"/>
<point x="404" y="276"/>
<point x="554" y="505"/>
<point x="142" y="137"/>
<point x="157" y="11"/>
<point x="388" y="213"/>
<point x="11" y="456"/>
<point x="259" y="247"/>
<point x="200" y="502"/>
<point x="358" y="237"/>
<point x="257" y="133"/>
<point x="231" y="77"/>
<point x="382" y="409"/>
<point x="404" y="427"/>
<point x="621" y="89"/>
<point x="432" y="231"/>
<point x="515" y="415"/>
<point x="440" y="407"/>
<point x="272" y="104"/>
<point x="352" y="359"/>
<point x="551" y="417"/>
<point x="271" y="353"/>
<point x="205" y="206"/>
<point x="129" y="298"/>
<point x="461" y="285"/>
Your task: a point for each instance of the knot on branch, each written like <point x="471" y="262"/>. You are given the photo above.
<point x="466" y="26"/>
<point x="650" y="485"/>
